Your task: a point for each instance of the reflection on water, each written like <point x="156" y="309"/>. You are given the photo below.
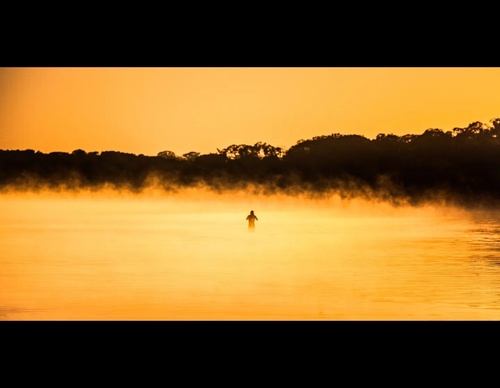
<point x="109" y="257"/>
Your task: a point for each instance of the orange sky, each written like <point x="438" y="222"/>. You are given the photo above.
<point x="148" y="110"/>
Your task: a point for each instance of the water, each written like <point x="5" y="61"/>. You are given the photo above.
<point x="191" y="257"/>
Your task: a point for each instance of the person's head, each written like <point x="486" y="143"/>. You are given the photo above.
<point x="251" y="211"/>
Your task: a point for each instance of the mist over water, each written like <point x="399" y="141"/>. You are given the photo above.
<point x="187" y="254"/>
<point x="349" y="228"/>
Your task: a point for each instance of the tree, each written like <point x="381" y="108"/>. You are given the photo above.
<point x="191" y="155"/>
<point x="167" y="155"/>
<point x="474" y="129"/>
<point x="79" y="153"/>
<point x="496" y="127"/>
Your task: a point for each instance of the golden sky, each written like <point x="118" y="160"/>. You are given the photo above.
<point x="148" y="110"/>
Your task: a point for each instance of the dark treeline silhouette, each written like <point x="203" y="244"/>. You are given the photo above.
<point x="461" y="166"/>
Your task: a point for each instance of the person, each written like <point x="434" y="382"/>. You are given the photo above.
<point x="251" y="220"/>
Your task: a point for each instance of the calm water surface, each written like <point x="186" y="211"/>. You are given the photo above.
<point x="106" y="257"/>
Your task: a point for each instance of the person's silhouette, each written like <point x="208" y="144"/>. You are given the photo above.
<point x="251" y="220"/>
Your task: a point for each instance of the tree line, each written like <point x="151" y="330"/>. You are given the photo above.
<point x="459" y="166"/>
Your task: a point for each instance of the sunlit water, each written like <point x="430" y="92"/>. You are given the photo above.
<point x="192" y="257"/>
